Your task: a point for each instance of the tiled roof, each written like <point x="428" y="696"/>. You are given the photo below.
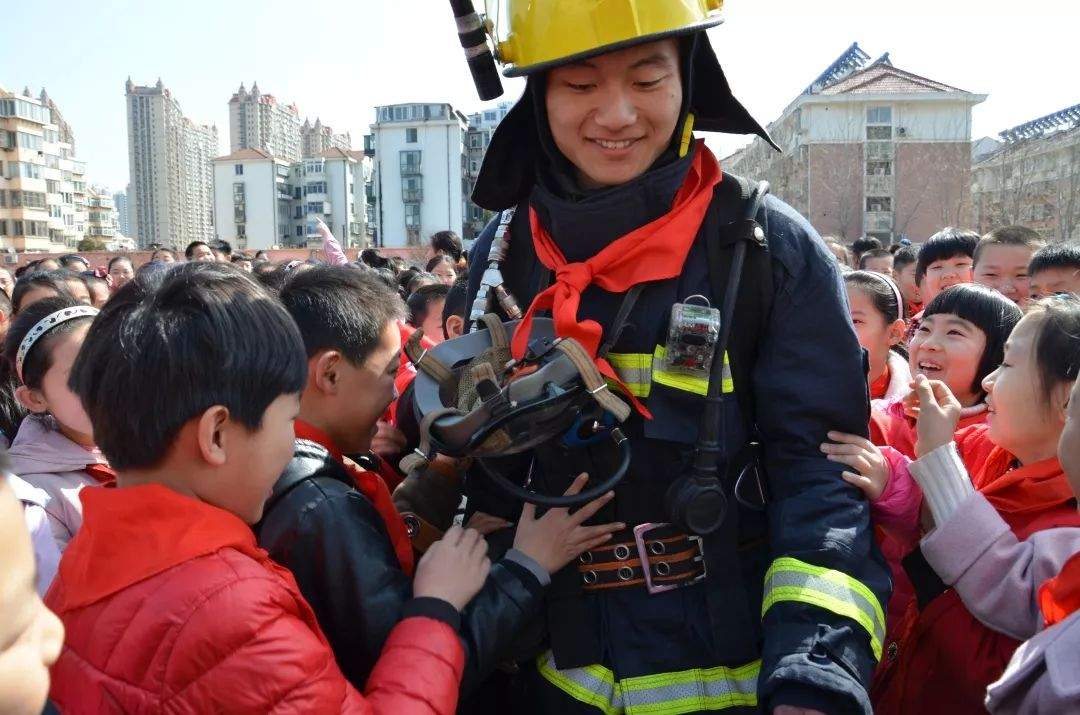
<point x="335" y="153"/>
<point x="886" y="79"/>
<point x="246" y="154"/>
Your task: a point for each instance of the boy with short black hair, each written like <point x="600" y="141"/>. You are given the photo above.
<point x="945" y="260"/>
<point x="226" y="630"/>
<point x="878" y="260"/>
<point x="1001" y="260"/>
<point x="199" y="251"/>
<point x="453" y="313"/>
<point x="903" y="273"/>
<point x="1055" y="268"/>
<point x="334" y="524"/>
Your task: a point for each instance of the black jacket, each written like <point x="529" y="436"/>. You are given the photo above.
<point x="333" y="540"/>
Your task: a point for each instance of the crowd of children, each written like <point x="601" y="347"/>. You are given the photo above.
<point x="199" y="510"/>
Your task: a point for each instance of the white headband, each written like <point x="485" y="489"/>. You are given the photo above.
<point x="893" y="287"/>
<point x="46" y="324"/>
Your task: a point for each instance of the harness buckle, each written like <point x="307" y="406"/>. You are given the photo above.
<point x="645" y="551"/>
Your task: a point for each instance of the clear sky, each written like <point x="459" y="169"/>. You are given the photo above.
<point x="338" y="59"/>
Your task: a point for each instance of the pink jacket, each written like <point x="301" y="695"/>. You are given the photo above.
<point x="897" y="509"/>
<point x="44" y="458"/>
<point x="998" y="578"/>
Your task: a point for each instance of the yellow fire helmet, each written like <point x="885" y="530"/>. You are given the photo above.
<point x="547" y="33"/>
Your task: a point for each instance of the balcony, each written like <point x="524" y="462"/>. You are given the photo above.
<point x="879" y="185"/>
<point x="410" y="169"/>
<point x="412" y="195"/>
<point x="877" y="151"/>
<point x="317" y="207"/>
<point x="877" y="221"/>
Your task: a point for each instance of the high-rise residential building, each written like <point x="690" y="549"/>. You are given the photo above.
<point x="171" y="167"/>
<point x="317" y="138"/>
<point x="43" y="204"/>
<point x="120" y="200"/>
<point x="420" y="180"/>
<point x="481" y="126"/>
<point x="101" y="219"/>
<point x="870" y="149"/>
<point x="259" y="121"/>
<point x="1031" y="177"/>
<point x="261" y="201"/>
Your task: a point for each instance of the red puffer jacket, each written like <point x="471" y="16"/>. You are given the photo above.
<point x="169" y="606"/>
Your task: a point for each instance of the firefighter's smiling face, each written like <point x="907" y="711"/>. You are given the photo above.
<point x="613" y="115"/>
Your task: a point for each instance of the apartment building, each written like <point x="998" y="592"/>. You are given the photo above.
<point x="171" y="169"/>
<point x="101" y="219"/>
<point x="317" y="138"/>
<point x="481" y="126"/>
<point x="43" y="200"/>
<point x="259" y="121"/>
<point x="870" y="149"/>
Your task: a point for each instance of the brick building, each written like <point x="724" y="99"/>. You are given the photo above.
<point x="870" y="149"/>
<point x="1031" y="177"/>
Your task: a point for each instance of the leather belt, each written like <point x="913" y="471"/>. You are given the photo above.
<point x="658" y="556"/>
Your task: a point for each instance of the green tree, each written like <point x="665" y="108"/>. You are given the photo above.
<point x="91" y="244"/>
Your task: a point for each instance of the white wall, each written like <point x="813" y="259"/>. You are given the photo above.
<point x="441" y="144"/>
<point x="260" y="196"/>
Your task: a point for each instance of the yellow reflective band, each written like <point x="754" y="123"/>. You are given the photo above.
<point x="635" y="371"/>
<point x="686" y="383"/>
<point x="789" y="579"/>
<point x="676" y="693"/>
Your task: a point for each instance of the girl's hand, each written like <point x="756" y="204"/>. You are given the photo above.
<point x="938" y="414"/>
<point x="871" y="468"/>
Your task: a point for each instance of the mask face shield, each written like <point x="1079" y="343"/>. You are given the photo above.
<point x="501" y="414"/>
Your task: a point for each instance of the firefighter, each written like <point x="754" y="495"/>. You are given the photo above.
<point x="611" y="209"/>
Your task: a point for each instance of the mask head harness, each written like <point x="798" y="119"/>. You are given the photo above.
<point x="473" y="400"/>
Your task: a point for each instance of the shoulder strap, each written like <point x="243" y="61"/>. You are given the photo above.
<point x="755" y="292"/>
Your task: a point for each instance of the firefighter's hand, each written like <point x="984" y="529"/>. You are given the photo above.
<point x="871" y="473"/>
<point x="388" y="441"/>
<point x="939" y="413"/>
<point x="454" y="568"/>
<point x="792" y="710"/>
<point x="559" y="537"/>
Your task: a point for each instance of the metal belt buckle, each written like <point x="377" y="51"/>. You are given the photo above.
<point x="646" y="567"/>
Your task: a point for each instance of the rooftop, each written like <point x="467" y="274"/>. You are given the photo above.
<point x="247" y="155"/>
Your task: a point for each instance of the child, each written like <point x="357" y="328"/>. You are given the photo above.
<point x="877" y="312"/>
<point x="904" y="261"/>
<point x="168" y="603"/>
<point x="30" y="636"/>
<point x="1054" y="269"/>
<point x="121" y="270"/>
<point x="959" y="342"/>
<point x="53" y="449"/>
<point x="947" y="657"/>
<point x="945" y="260"/>
<point x="878" y="260"/>
<point x="36" y="285"/>
<point x="98" y="289"/>
<point x="442" y="267"/>
<point x="335" y="526"/>
<point x="1004" y="581"/>
<point x="426" y="309"/>
<point x="453" y="313"/>
<point x="1001" y="261"/>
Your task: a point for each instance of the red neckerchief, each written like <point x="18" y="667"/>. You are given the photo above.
<point x="653" y="252"/>
<point x="880" y="386"/>
<point x="132" y="533"/>
<point x="103" y="474"/>
<point x="1019" y="492"/>
<point x="373" y="487"/>
<point x="1060" y="596"/>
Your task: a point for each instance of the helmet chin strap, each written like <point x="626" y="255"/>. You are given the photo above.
<point x="687" y="134"/>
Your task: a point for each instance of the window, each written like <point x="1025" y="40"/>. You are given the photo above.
<point x="412" y="215"/>
<point x="879" y="115"/>
<point x="29" y="141"/>
<point x="878" y="203"/>
<point x="3" y="198"/>
<point x="240" y="230"/>
<point x="315" y="207"/>
<point x="7" y="139"/>
<point x="239" y="214"/>
<point x="21" y="169"/>
<point x="317" y="187"/>
<point x="238" y="191"/>
<point x="411" y="189"/>
<point x="410" y="135"/>
<point x="878" y="133"/>
<point x="299" y="231"/>
<point x="52" y="186"/>
<point x="238" y="169"/>
<point x="879" y="168"/>
<point x="298" y="213"/>
<point x="17" y="228"/>
<point x="410" y="162"/>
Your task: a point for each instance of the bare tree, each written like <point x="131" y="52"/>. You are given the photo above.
<point x="1067" y="185"/>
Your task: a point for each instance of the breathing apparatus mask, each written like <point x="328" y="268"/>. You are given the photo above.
<point x="473" y="400"/>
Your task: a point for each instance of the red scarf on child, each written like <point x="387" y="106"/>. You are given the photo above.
<point x="373" y="487"/>
<point x="880" y="386"/>
<point x="103" y="474"/>
<point x="1059" y="597"/>
<point x="653" y="252"/>
<point x="1023" y="491"/>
